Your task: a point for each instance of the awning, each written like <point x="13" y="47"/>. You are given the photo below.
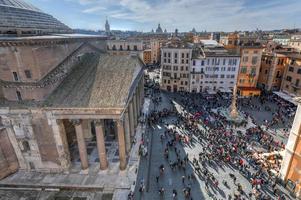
<point x="286" y="97"/>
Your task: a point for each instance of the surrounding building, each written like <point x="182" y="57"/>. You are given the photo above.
<point x="147" y="57"/>
<point x="159" y="29"/>
<point x="213" y="69"/>
<point x="295" y="42"/>
<point x="107" y="27"/>
<point x="155" y="45"/>
<point x="292" y="76"/>
<point x="271" y="71"/>
<point x="20" y="18"/>
<point x="291" y="162"/>
<point x="124" y="47"/>
<point x="175" y="63"/>
<point x="250" y="62"/>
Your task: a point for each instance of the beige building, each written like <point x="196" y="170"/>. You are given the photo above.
<point x="155" y="46"/>
<point x="175" y="62"/>
<point x="249" y="70"/>
<point x="124" y="47"/>
<point x="291" y="163"/>
<point x="292" y="76"/>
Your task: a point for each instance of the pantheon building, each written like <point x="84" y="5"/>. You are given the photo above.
<point x="64" y="101"/>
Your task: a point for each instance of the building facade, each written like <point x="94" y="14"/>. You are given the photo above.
<point x="147" y="57"/>
<point x="213" y="69"/>
<point x="292" y="75"/>
<point x="271" y="71"/>
<point x="249" y="68"/>
<point x="175" y="62"/>
<point x="291" y="163"/>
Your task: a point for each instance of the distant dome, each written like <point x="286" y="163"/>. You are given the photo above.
<point x="18" y="16"/>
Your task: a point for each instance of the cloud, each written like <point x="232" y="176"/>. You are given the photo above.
<point x="94" y="9"/>
<point x="226" y="15"/>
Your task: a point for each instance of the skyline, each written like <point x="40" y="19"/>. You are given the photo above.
<point x="144" y="15"/>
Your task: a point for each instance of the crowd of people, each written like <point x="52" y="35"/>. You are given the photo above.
<point x="222" y="144"/>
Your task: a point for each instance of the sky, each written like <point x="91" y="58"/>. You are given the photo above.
<point x="144" y="15"/>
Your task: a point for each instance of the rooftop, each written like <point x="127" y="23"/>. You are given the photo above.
<point x="102" y="82"/>
<point x="99" y="81"/>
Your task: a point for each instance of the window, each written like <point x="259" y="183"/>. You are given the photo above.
<point x="234" y="61"/>
<point x="27" y="73"/>
<point x="128" y="48"/>
<point x="232" y="76"/>
<point x="120" y="48"/>
<point x="243" y="70"/>
<point x="16" y="78"/>
<point x="233" y="69"/>
<point x="266" y="71"/>
<point x="253" y="71"/>
<point x="208" y="61"/>
<point x="135" y="48"/>
<point x="182" y="68"/>
<point x="175" y="75"/>
<point x="229" y="69"/>
<point x="291" y="69"/>
<point x="168" y="60"/>
<point x="186" y="68"/>
<point x="164" y="54"/>
<point x="224" y="61"/>
<point x="193" y="62"/>
<point x="245" y="59"/>
<point x="203" y="63"/>
<point x="254" y="60"/>
<point x="289" y="79"/>
<point x="299" y="71"/>
<point x="176" y="61"/>
<point x="297" y="82"/>
<point x="182" y="61"/>
<point x="164" y="60"/>
<point x="164" y="81"/>
<point x="176" y="55"/>
<point x="175" y="68"/>
<point x="222" y="75"/>
<point x="168" y="81"/>
<point x="186" y="83"/>
<point x="187" y="55"/>
<point x="183" y="55"/>
<point x="292" y="62"/>
<point x="26" y="146"/>
<point x="168" y="55"/>
<point x="246" y="52"/>
<point x="19" y="97"/>
<point x="256" y="52"/>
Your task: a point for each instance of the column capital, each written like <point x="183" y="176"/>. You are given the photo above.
<point x="75" y="122"/>
<point x="98" y="122"/>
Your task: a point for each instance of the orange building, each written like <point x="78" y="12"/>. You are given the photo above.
<point x="147" y="56"/>
<point x="271" y="71"/>
<point x="249" y="70"/>
<point x="292" y="75"/>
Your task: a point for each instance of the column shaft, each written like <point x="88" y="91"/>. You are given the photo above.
<point x="131" y="119"/>
<point x="135" y="110"/>
<point x="121" y="145"/>
<point x="127" y="132"/>
<point x="99" y="129"/>
<point x="81" y="145"/>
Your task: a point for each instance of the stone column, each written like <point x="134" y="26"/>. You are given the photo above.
<point x="121" y="145"/>
<point x="135" y="110"/>
<point x="87" y="129"/>
<point x="99" y="129"/>
<point x="12" y="137"/>
<point x="138" y="101"/>
<point x="61" y="142"/>
<point x="127" y="132"/>
<point x="131" y="119"/>
<point x="81" y="143"/>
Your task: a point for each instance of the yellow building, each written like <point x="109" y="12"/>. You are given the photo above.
<point x="290" y="170"/>
<point x="249" y="70"/>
